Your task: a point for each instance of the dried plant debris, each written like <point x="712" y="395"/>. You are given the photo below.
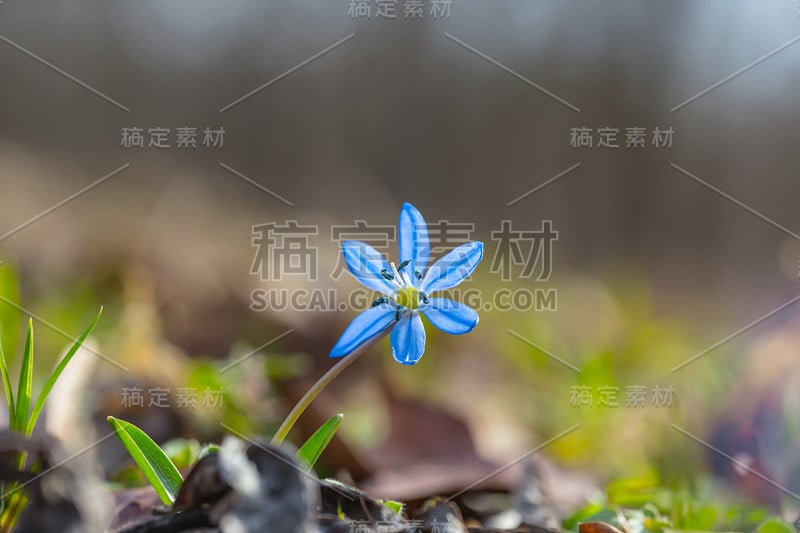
<point x="441" y="515"/>
<point x="253" y="486"/>
<point x="531" y="500"/>
<point x="342" y="500"/>
<point x="245" y="487"/>
<point x="270" y="490"/>
<point x="204" y="485"/>
<point x="597" y="527"/>
<point x="64" y="493"/>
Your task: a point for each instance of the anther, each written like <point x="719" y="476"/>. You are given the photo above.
<point x="380" y="301"/>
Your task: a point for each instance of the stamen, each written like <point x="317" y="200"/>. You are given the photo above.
<point x="423" y="297"/>
<point x="403" y="265"/>
<point x="417" y="274"/>
<point x="386" y="275"/>
<point x="380" y="301"/>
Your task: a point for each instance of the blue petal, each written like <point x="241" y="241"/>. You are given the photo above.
<point x="366" y="263"/>
<point x="450" y="316"/>
<point x="453" y="268"/>
<point x="413" y="242"/>
<point x="408" y="339"/>
<point x="365" y="326"/>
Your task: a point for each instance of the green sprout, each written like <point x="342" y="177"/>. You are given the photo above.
<point x="22" y="419"/>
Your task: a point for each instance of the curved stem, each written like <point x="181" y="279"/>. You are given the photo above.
<point x="321" y="383"/>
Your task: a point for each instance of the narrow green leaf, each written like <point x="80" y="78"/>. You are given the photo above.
<point x="25" y="385"/>
<point x="310" y="451"/>
<point x="6" y="384"/>
<point x="51" y="381"/>
<point x="157" y="467"/>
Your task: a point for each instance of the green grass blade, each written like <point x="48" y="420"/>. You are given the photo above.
<point x="25" y="385"/>
<point x="157" y="467"/>
<point x="7" y="383"/>
<point x="310" y="451"/>
<point x="51" y="381"/>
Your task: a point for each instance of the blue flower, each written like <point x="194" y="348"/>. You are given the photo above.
<point x="407" y="290"/>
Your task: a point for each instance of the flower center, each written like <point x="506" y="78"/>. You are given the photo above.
<point x="407" y="297"/>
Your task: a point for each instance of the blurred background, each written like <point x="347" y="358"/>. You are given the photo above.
<point x="674" y="270"/>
